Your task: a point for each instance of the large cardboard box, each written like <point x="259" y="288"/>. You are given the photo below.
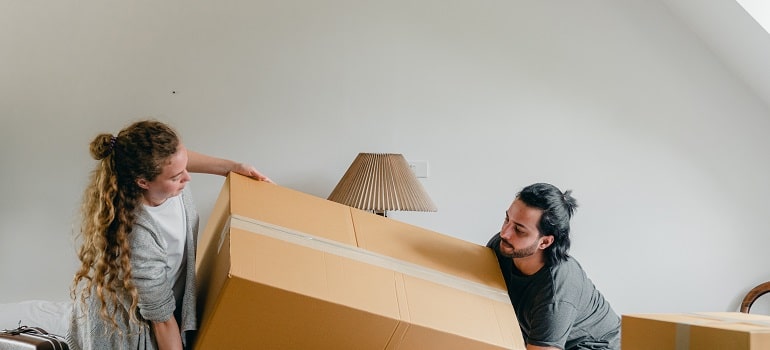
<point x="696" y="331"/>
<point x="280" y="269"/>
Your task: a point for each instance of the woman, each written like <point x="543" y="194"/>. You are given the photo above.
<point x="135" y="288"/>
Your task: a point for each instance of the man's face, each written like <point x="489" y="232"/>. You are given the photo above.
<point x="520" y="237"/>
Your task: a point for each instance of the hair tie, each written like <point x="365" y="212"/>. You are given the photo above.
<point x="112" y="143"/>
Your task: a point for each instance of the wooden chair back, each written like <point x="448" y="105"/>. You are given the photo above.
<point x="753" y="295"/>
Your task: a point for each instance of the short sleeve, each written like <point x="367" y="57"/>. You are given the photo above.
<point x="551" y="324"/>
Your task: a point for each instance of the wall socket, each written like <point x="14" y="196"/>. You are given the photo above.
<point x="419" y="168"/>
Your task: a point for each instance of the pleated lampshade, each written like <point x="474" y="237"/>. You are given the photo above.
<point x="380" y="182"/>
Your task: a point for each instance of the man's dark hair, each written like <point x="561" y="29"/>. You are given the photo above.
<point x="557" y="210"/>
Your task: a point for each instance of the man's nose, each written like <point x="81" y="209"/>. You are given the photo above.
<point x="506" y="231"/>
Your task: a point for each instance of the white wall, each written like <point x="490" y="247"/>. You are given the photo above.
<point x="731" y="32"/>
<point x="665" y="149"/>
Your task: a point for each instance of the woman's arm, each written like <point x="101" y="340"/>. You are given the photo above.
<point x="201" y="163"/>
<point x="167" y="334"/>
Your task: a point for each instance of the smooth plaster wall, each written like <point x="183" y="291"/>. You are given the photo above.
<point x="664" y="148"/>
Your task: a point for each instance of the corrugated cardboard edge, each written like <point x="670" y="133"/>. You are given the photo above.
<point x="209" y="262"/>
<point x="210" y="296"/>
<point x="219" y="218"/>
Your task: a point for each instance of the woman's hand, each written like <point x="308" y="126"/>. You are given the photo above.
<point x="250" y="171"/>
<point x="201" y="163"/>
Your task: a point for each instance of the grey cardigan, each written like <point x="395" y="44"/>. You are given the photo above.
<point x="156" y="298"/>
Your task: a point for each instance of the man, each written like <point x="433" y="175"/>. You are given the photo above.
<point x="558" y="307"/>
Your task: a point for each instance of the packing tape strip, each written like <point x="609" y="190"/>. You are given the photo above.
<point x="682" y="336"/>
<point x="362" y="255"/>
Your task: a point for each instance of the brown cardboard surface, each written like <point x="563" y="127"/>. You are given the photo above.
<point x="426" y="248"/>
<point x="712" y="330"/>
<point x="299" y="309"/>
<point x="270" y="283"/>
<point x="456" y="311"/>
<point x="211" y="266"/>
<point x="291" y="209"/>
<point x="220" y="215"/>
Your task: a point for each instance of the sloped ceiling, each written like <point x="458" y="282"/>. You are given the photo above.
<point x="733" y="35"/>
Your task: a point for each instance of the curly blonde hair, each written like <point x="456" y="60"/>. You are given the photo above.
<point x="109" y="210"/>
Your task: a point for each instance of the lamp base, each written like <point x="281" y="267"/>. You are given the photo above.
<point x="380" y="213"/>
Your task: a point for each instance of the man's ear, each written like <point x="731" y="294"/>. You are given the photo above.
<point x="143" y="183"/>
<point x="546" y="242"/>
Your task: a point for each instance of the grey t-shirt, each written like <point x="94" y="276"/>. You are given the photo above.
<point x="559" y="306"/>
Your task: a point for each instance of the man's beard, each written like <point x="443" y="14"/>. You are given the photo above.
<point x="524" y="252"/>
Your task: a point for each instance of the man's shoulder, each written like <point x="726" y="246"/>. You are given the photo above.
<point x="567" y="270"/>
<point x="570" y="263"/>
<point x="494" y="242"/>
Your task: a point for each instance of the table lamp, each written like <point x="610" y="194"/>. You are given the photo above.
<point x="379" y="182"/>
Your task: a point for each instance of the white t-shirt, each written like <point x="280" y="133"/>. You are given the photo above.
<point x="173" y="224"/>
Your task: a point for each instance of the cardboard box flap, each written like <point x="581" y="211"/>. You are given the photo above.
<point x="426" y="248"/>
<point x="301" y="212"/>
<point x="292" y="209"/>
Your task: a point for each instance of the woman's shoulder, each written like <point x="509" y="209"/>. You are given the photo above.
<point x="144" y="230"/>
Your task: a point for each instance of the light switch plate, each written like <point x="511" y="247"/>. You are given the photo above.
<point x="419" y="168"/>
